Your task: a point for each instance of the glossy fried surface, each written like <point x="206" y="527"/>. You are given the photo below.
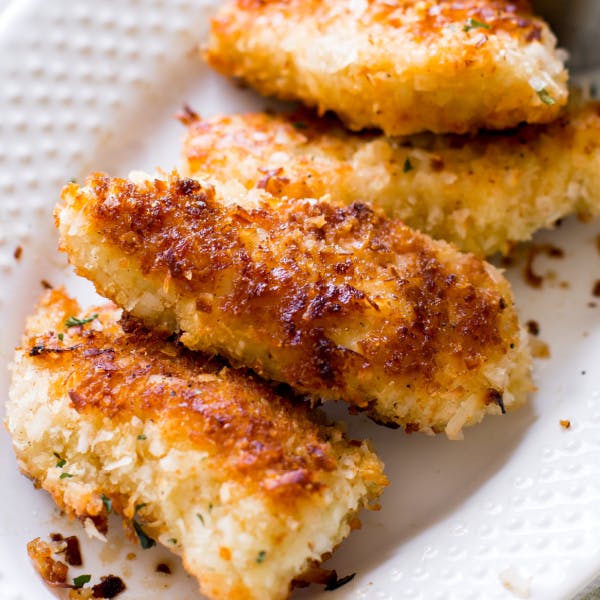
<point x="484" y="192"/>
<point x="167" y="435"/>
<point x="338" y="302"/>
<point x="403" y="66"/>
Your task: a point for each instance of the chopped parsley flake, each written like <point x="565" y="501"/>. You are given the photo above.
<point x="74" y="321"/>
<point x="545" y="97"/>
<point x="173" y="541"/>
<point x="73" y="180"/>
<point x="141" y="437"/>
<point x="65" y="475"/>
<point x="81" y="580"/>
<point x="338" y="583"/>
<point x="261" y="556"/>
<point x="200" y="517"/>
<point x="61" y="462"/>
<point x="107" y="503"/>
<point x="61" y="336"/>
<point x="407" y="166"/>
<point x="145" y="540"/>
<point x="474" y="24"/>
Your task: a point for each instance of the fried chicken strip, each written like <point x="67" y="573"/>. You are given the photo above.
<point x="249" y="487"/>
<point x="483" y="193"/>
<point x="403" y="66"/>
<point x="338" y="302"/>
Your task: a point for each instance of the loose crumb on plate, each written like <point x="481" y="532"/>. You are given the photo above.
<point x="531" y="277"/>
<point x="515" y="582"/>
<point x="533" y="327"/>
<point x="53" y="572"/>
<point x="539" y="348"/>
<point x="163" y="568"/>
<point x="565" y="424"/>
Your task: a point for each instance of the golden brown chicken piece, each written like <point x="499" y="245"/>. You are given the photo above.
<point x="338" y="302"/>
<point x="249" y="487"/>
<point x="404" y="66"/>
<point x="483" y="193"/>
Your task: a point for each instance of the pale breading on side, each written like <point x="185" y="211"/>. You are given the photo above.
<point x="251" y="488"/>
<point x="403" y="66"/>
<point x="483" y="193"/>
<point x="338" y="302"/>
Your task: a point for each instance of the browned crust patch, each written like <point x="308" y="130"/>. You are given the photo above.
<point x="257" y="436"/>
<point x="302" y="272"/>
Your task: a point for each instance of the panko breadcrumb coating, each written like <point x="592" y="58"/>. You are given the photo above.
<point x="249" y="487"/>
<point x="336" y="301"/>
<point x="483" y="193"/>
<point x="403" y="66"/>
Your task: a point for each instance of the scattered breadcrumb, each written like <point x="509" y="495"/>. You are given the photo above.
<point x="516" y="583"/>
<point x="534" y="250"/>
<point x="539" y="348"/>
<point x="533" y="327"/>
<point x="53" y="572"/>
<point x="565" y="424"/>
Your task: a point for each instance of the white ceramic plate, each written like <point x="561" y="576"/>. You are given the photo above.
<point x="94" y="85"/>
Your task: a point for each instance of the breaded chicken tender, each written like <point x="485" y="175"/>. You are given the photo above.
<point x="336" y="301"/>
<point x="249" y="487"/>
<point x="483" y="193"/>
<point x="403" y="66"/>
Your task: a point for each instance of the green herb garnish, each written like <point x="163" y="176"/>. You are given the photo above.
<point x="61" y="336"/>
<point x="545" y="97"/>
<point x="81" y="580"/>
<point x="61" y="462"/>
<point x="407" y="166"/>
<point x="200" y="517"/>
<point x="173" y="541"/>
<point x="107" y="503"/>
<point x="474" y="24"/>
<point x="145" y="540"/>
<point x="73" y="180"/>
<point x="338" y="583"/>
<point x="261" y="556"/>
<point x="141" y="437"/>
<point x="74" y="321"/>
<point x="65" y="475"/>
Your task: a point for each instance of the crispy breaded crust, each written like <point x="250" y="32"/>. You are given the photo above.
<point x="402" y="66"/>
<point x="483" y="193"/>
<point x="248" y="486"/>
<point x="336" y="301"/>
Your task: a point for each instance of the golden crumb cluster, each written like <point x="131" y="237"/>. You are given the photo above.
<point x="402" y="66"/>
